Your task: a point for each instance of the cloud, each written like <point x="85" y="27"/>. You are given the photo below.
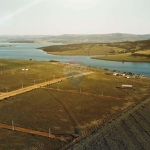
<point x="79" y="4"/>
<point x="18" y="11"/>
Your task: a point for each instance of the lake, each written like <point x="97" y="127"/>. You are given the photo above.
<point x="29" y="51"/>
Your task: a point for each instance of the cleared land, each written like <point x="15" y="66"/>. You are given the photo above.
<point x="69" y="108"/>
<point x="19" y="141"/>
<point x="12" y="77"/>
<point x="35" y="86"/>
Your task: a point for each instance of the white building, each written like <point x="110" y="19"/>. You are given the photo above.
<point x="126" y="86"/>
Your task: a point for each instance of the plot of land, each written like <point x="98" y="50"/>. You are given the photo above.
<point x="18" y="141"/>
<point x="70" y="107"/>
<point x="130" y="131"/>
<point x="14" y="76"/>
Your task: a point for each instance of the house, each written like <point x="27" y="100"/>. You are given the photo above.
<point x="126" y="86"/>
<point x="127" y="77"/>
<point x="116" y="74"/>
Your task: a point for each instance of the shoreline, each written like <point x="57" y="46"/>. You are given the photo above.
<point x="122" y="61"/>
<point x="97" y="57"/>
<point x="103" y="51"/>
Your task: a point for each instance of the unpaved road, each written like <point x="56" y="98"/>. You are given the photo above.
<point x="29" y="88"/>
<point x="63" y="138"/>
<point x="34" y="132"/>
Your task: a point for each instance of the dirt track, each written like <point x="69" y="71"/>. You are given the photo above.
<point x="29" y="88"/>
<point x="71" y="116"/>
<point x="34" y="132"/>
<point x="63" y="138"/>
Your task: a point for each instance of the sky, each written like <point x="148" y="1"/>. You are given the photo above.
<point x="56" y="17"/>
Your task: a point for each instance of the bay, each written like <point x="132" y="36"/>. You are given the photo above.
<point x="26" y="51"/>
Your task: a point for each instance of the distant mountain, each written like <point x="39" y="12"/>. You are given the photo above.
<point x="116" y="37"/>
<point x="76" y="38"/>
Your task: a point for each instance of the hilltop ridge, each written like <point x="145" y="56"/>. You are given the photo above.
<point x="75" y="38"/>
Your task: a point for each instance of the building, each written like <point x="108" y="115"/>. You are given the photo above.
<point x="126" y="86"/>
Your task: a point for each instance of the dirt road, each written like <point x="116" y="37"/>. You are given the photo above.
<point x="29" y="88"/>
<point x="34" y="132"/>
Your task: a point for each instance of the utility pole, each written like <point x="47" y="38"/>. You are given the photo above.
<point x="22" y="85"/>
<point x="13" y="127"/>
<point x="127" y="96"/>
<point x="6" y="89"/>
<point x="49" y="133"/>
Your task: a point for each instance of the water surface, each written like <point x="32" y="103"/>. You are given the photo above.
<point x="29" y="51"/>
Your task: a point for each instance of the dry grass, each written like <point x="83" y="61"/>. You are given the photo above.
<point x="143" y="52"/>
<point x="81" y="49"/>
<point x="15" y="140"/>
<point x="127" y="57"/>
<point x="12" y="76"/>
<point x="36" y="110"/>
<point x="43" y="108"/>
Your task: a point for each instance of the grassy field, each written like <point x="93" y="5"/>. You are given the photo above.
<point x="68" y="107"/>
<point x="144" y="52"/>
<point x="127" y="57"/>
<point x="82" y="49"/>
<point x="99" y="82"/>
<point x="13" y="77"/>
<point x="122" y="51"/>
<point x="10" y="140"/>
<point x="36" y="110"/>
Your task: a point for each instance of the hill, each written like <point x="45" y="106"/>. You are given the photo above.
<point x="75" y="38"/>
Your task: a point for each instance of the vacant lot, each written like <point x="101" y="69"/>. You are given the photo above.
<point x="10" y="140"/>
<point x="100" y="84"/>
<point x="13" y="77"/>
<point x="95" y="97"/>
<point x="36" y="110"/>
<point x="68" y="107"/>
